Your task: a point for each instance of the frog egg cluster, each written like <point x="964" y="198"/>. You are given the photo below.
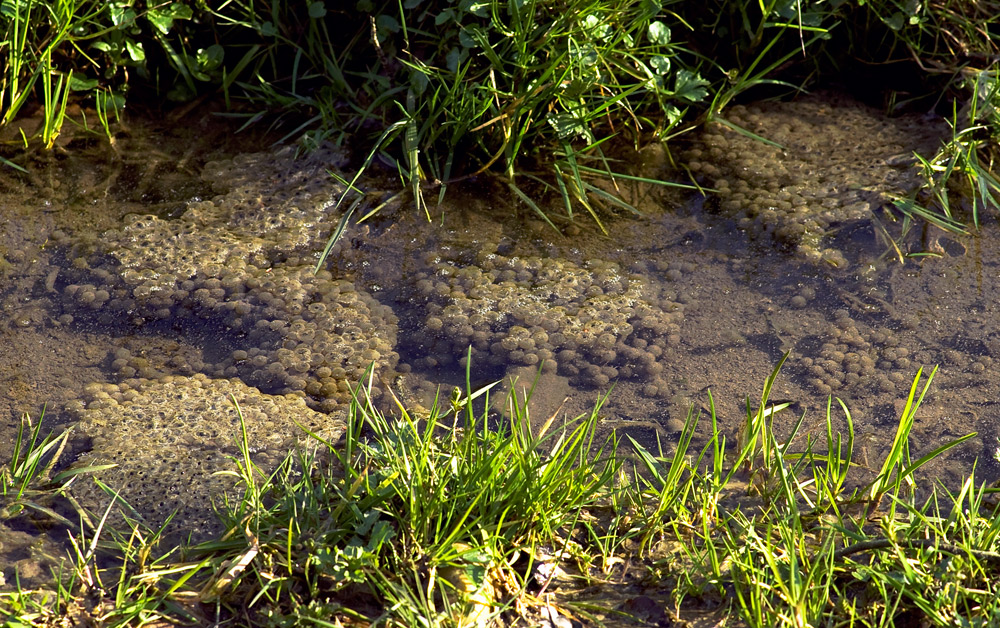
<point x="170" y="437"/>
<point x="592" y="322"/>
<point x="851" y="356"/>
<point x="233" y="277"/>
<point x="832" y="161"/>
<point x="284" y="329"/>
<point x="971" y="359"/>
<point x="803" y="297"/>
<point x="979" y="365"/>
<point x="153" y="357"/>
<point x="285" y="176"/>
<point x="242" y="227"/>
<point x="322" y="339"/>
<point x="668" y="270"/>
<point x="846" y="357"/>
<point x="237" y="272"/>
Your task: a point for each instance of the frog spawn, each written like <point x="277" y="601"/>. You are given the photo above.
<point x="592" y="322"/>
<point x="853" y="357"/>
<point x="169" y="439"/>
<point x="233" y="276"/>
<point x="846" y="357"/>
<point x="832" y="162"/>
<point x="287" y="330"/>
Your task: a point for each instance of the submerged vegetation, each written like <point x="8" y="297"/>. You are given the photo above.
<point x="532" y="91"/>
<point x="453" y="516"/>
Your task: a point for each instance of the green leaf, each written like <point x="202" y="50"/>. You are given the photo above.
<point x="160" y="21"/>
<point x="659" y="33"/>
<point x="135" y="50"/>
<point x="418" y="82"/>
<point x="210" y="58"/>
<point x="382" y="532"/>
<point x="596" y="28"/>
<point x="120" y="14"/>
<point x="475" y="7"/>
<point x="181" y="11"/>
<point x="690" y="86"/>
<point x="466" y="39"/>
<point x="895" y="21"/>
<point x="317" y="10"/>
<point x="386" y="25"/>
<point x="454" y="58"/>
<point x="673" y="114"/>
<point x="163" y="19"/>
<point x="661" y="64"/>
<point x="444" y="16"/>
<point x="116" y="102"/>
<point x="575" y="89"/>
<point x="567" y="125"/>
<point x="267" y="29"/>
<point x="585" y="56"/>
<point x="792" y="11"/>
<point x="79" y="83"/>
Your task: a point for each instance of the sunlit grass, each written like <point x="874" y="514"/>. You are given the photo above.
<point x="535" y="93"/>
<point x="440" y="516"/>
<point x="960" y="181"/>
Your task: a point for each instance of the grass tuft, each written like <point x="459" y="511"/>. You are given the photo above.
<point x="452" y="516"/>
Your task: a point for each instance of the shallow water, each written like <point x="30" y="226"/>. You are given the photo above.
<point x="685" y="299"/>
<point x="742" y="311"/>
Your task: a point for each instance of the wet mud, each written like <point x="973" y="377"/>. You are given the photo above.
<point x="136" y="325"/>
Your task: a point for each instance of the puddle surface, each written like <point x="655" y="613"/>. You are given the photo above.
<point x="135" y="321"/>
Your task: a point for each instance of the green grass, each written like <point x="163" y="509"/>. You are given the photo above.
<point x="87" y="51"/>
<point x="27" y="484"/>
<point x="960" y="182"/>
<point x="802" y="553"/>
<point x="421" y="513"/>
<point x="440" y="516"/>
<point x="540" y="94"/>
